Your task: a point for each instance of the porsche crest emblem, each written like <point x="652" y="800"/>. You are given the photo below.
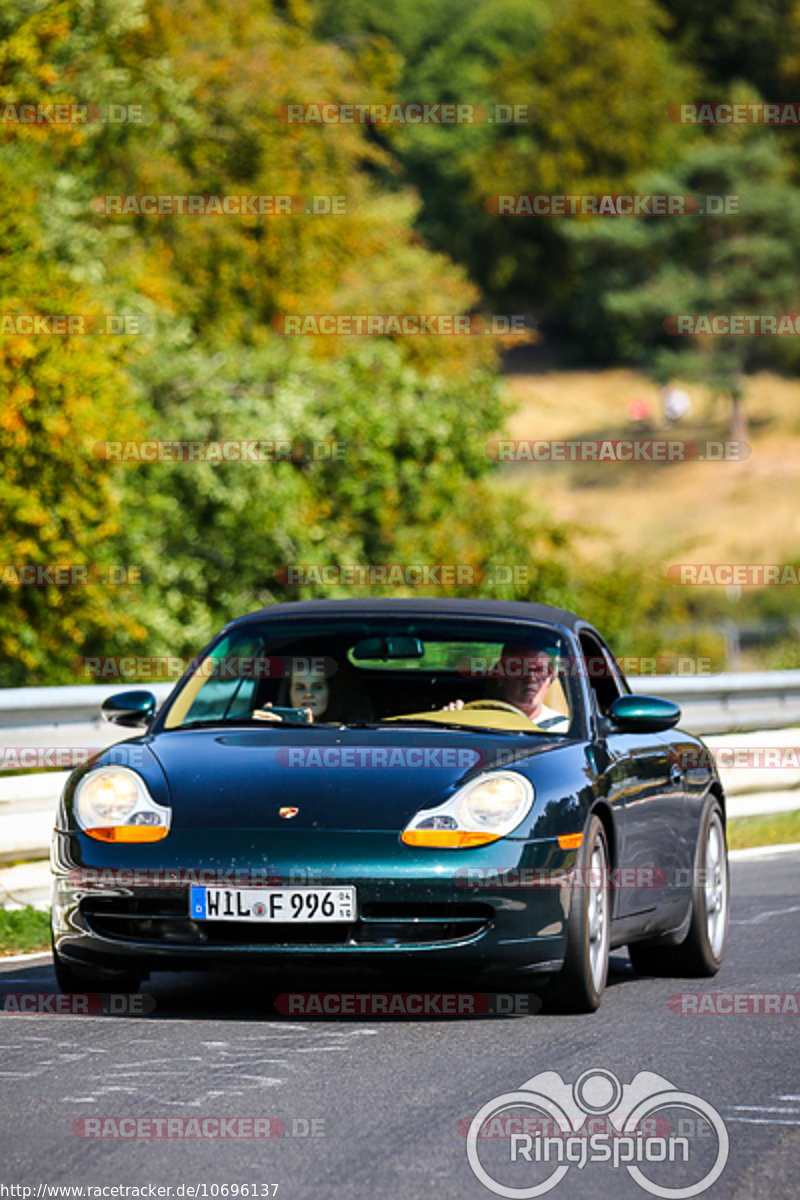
<point x="288" y="812"/>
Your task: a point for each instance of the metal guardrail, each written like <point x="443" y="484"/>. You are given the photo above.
<point x="730" y="702"/>
<point x="726" y="684"/>
<point x="57" y="705"/>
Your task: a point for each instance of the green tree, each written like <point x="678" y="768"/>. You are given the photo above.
<point x="639" y="271"/>
<point x="593" y="80"/>
<point x="215" y="538"/>
<point x="209" y="538"/>
<point x="745" y="41"/>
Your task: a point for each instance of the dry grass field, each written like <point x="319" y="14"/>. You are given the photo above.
<point x="698" y="512"/>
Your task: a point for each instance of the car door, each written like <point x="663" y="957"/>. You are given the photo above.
<point x="692" y="768"/>
<point x="642" y="788"/>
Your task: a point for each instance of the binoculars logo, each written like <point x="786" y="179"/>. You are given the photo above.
<point x="523" y="1143"/>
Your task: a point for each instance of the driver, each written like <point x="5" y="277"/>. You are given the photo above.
<point x="526" y="676"/>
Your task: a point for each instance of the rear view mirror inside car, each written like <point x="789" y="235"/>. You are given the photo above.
<point x="388" y="647"/>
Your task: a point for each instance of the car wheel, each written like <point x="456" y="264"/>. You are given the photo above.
<point x="702" y="950"/>
<point x="92" y="979"/>
<point x="580" y="984"/>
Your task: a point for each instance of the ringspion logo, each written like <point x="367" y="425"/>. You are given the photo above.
<point x="532" y="1163"/>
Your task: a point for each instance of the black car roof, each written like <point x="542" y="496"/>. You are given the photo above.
<point x="513" y="610"/>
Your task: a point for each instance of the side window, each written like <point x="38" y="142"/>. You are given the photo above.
<point x="223" y="698"/>
<point x="601" y="674"/>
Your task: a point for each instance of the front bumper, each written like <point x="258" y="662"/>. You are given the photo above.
<point x="469" y="912"/>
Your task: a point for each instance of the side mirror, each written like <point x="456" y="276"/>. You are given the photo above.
<point x="130" y="708"/>
<point x="644" y="714"/>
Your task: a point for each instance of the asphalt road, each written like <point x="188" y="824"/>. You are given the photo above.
<point x="388" y="1100"/>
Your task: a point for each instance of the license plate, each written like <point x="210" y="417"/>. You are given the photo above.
<point x="292" y="906"/>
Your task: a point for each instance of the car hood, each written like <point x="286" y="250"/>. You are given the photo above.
<point x="338" y="779"/>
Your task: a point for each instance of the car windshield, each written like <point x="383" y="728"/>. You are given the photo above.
<point x="496" y="675"/>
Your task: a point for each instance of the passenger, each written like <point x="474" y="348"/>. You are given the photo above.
<point x="308" y="689"/>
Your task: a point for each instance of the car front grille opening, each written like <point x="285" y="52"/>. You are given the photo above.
<point x="163" y="921"/>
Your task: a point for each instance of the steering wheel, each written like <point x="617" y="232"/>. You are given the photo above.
<point x="501" y="704"/>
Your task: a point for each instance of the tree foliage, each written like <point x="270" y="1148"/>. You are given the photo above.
<point x="413" y="412"/>
<point x="209" y="538"/>
<point x="655" y="268"/>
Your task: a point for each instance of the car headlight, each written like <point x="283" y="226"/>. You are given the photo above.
<point x="114" y="805"/>
<point x="485" y="809"/>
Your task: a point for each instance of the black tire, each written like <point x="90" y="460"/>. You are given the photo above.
<point x="92" y="979"/>
<point x="579" y="986"/>
<point x="701" y="952"/>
